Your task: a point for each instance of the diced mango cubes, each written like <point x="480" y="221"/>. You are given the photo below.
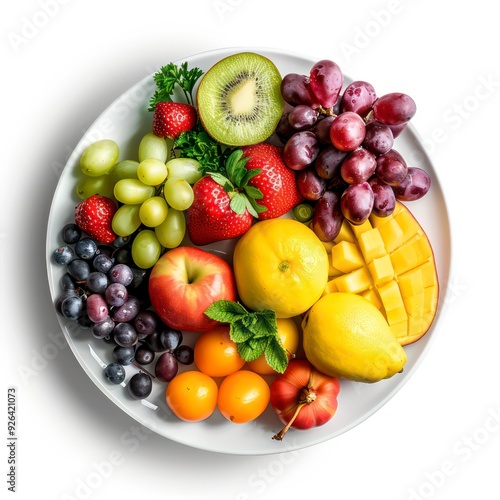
<point x="389" y="261"/>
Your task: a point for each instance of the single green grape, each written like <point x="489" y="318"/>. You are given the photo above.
<point x="152" y="146"/>
<point x="146" y="249"/>
<point x="132" y="191"/>
<point x="178" y="193"/>
<point x="88" y="186"/>
<point x="153" y="211"/>
<point x="152" y="171"/>
<point x="99" y="157"/>
<point x="126" y="220"/>
<point x="303" y="212"/>
<point x="184" y="168"/>
<point x="126" y="169"/>
<point x="172" y="230"/>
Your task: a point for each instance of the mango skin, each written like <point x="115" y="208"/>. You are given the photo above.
<point x="346" y="336"/>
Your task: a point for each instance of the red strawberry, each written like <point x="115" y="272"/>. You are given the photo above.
<point x="277" y="182"/>
<point x="170" y="119"/>
<point x="94" y="215"/>
<point x="223" y="207"/>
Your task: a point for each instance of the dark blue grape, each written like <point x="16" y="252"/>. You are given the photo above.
<point x="125" y="335"/>
<point x="139" y="276"/>
<point x="184" y="354"/>
<point x="140" y="385"/>
<point x="171" y="339"/>
<point x="79" y="269"/>
<point x="144" y="355"/>
<point x="86" y="248"/>
<point x="121" y="241"/>
<point x="61" y="298"/>
<point x="72" y="307"/>
<point x="97" y="282"/>
<point x="123" y="256"/>
<point x="104" y="328"/>
<point x="102" y="263"/>
<point x="63" y="255"/>
<point x="154" y="342"/>
<point x="71" y="233"/>
<point x="123" y="355"/>
<point x="115" y="373"/>
<point x="146" y="322"/>
<point x="68" y="283"/>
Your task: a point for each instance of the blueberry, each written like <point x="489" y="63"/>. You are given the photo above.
<point x="79" y="269"/>
<point x="102" y="263"/>
<point x="72" y="307"/>
<point x="86" y="248"/>
<point x="123" y="355"/>
<point x="71" y="233"/>
<point x="63" y="255"/>
<point x="97" y="282"/>
<point x="68" y="283"/>
<point x="115" y="373"/>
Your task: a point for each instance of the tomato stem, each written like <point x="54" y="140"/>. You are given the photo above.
<point x="307" y="397"/>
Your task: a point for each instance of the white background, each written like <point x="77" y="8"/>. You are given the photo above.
<point x="64" y="61"/>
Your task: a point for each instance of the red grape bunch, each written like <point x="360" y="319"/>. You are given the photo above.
<point x="342" y="146"/>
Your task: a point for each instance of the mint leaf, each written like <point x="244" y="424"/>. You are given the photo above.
<point x="252" y="348"/>
<point x="254" y="332"/>
<point x="226" y="311"/>
<point x="276" y="355"/>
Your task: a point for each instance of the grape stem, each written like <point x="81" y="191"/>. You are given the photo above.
<point x="137" y="365"/>
<point x="327" y="111"/>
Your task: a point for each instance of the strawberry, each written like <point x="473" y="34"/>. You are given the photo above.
<point x="94" y="215"/>
<point x="223" y="207"/>
<point x="276" y="181"/>
<point x="170" y="119"/>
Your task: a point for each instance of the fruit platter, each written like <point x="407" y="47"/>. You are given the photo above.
<point x="248" y="251"/>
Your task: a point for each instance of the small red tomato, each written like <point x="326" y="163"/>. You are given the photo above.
<point x="303" y="397"/>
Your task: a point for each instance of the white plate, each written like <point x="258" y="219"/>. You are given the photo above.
<point x="126" y="120"/>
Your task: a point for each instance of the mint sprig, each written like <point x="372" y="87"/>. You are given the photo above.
<point x="253" y="332"/>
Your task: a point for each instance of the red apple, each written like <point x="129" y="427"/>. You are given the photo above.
<point x="184" y="282"/>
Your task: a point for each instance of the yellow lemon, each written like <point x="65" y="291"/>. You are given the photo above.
<point x="280" y="264"/>
<point x="345" y="335"/>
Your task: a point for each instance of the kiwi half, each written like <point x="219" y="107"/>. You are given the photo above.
<point x="239" y="99"/>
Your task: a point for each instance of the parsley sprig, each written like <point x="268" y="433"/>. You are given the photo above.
<point x="254" y="332"/>
<point x="170" y="77"/>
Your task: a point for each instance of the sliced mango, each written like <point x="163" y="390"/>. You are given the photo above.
<point x="389" y="261"/>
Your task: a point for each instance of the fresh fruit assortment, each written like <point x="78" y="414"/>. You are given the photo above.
<point x="329" y="275"/>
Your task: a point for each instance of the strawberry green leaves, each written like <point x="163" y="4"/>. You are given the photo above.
<point x="235" y="183"/>
<point x="255" y="333"/>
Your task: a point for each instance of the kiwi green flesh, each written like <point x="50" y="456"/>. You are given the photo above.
<point x="239" y="99"/>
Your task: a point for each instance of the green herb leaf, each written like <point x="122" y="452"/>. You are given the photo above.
<point x="276" y="355"/>
<point x="226" y="311"/>
<point x="198" y="145"/>
<point x="171" y="76"/>
<point x="254" y="332"/>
